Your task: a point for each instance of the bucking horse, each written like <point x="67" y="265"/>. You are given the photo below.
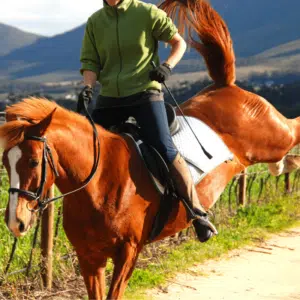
<point x="112" y="216"/>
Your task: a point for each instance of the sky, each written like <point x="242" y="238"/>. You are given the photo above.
<point x="47" y="17"/>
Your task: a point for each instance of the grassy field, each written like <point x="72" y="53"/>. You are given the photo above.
<point x="249" y="226"/>
<point x="270" y="210"/>
<point x="272" y="213"/>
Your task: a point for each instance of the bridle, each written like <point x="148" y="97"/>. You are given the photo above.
<point x="37" y="196"/>
<point x="48" y="158"/>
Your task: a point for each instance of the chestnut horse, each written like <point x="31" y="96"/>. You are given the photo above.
<point x="113" y="215"/>
<point x="251" y="127"/>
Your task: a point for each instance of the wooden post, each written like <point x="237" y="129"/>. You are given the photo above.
<point x="287" y="182"/>
<point x="47" y="242"/>
<point x="243" y="188"/>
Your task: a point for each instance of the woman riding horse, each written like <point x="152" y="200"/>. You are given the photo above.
<point x="112" y="216"/>
<point x="119" y="44"/>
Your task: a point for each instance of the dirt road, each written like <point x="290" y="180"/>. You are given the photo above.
<point x="268" y="271"/>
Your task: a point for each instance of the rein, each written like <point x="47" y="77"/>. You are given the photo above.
<point x="37" y="196"/>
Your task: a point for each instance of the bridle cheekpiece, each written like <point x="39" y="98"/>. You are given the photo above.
<point x="47" y="157"/>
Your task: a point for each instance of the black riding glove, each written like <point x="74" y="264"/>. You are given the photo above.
<point x="161" y="73"/>
<point x="84" y="98"/>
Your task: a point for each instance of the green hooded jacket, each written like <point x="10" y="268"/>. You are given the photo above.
<point x="119" y="44"/>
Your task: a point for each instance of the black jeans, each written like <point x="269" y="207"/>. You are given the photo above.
<point x="152" y="120"/>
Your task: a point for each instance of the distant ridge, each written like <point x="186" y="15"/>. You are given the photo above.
<point x="256" y="26"/>
<point x="281" y="51"/>
<point x="13" y="38"/>
<point x="46" y="55"/>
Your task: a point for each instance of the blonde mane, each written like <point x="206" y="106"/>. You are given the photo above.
<point x="27" y="113"/>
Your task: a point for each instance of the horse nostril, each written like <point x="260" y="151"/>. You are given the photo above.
<point x="21" y="227"/>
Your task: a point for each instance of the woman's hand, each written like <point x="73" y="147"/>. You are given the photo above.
<point x="84" y="98"/>
<point x="161" y="73"/>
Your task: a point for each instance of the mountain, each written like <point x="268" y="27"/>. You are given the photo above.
<point x="46" y="55"/>
<point x="282" y="62"/>
<point x="288" y="50"/>
<point x="13" y="38"/>
<point x="256" y="26"/>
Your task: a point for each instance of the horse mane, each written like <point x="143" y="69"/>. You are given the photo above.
<point x="12" y="133"/>
<point x="31" y="109"/>
<point x="25" y="114"/>
<point x="197" y="16"/>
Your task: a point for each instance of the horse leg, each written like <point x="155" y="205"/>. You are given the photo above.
<point x="124" y="263"/>
<point x="288" y="164"/>
<point x="93" y="273"/>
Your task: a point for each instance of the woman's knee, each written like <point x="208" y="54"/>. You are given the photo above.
<point x="170" y="155"/>
<point x="167" y="151"/>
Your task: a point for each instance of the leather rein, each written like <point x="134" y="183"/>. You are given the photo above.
<point x="48" y="158"/>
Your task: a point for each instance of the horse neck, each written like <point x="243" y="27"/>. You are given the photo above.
<point x="74" y="146"/>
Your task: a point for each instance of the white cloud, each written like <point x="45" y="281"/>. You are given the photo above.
<point x="47" y="17"/>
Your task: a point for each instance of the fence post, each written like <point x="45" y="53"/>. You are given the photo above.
<point x="47" y="242"/>
<point x="287" y="182"/>
<point x="243" y="188"/>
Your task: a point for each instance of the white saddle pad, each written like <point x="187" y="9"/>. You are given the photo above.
<point x="190" y="149"/>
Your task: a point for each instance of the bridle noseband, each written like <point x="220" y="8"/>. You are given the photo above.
<point x="37" y="196"/>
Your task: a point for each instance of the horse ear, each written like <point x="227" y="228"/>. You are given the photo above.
<point x="40" y="128"/>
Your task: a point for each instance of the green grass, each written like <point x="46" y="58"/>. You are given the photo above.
<point x="24" y="246"/>
<point x="248" y="226"/>
<point x="269" y="212"/>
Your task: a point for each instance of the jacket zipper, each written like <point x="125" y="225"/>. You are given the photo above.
<point x="120" y="55"/>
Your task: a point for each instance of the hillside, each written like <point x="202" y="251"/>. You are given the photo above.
<point x="256" y="26"/>
<point x="46" y="55"/>
<point x="13" y="38"/>
<point x="285" y="50"/>
<point x="260" y="25"/>
<point x="281" y="63"/>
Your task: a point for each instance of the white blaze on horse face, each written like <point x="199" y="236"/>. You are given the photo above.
<point x="14" y="156"/>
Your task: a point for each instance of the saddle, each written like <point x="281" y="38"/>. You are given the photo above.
<point x="154" y="162"/>
<point x="157" y="168"/>
<point x="202" y="149"/>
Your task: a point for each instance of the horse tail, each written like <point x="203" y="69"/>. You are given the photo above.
<point x="197" y="16"/>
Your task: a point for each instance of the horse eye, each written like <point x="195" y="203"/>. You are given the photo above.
<point x="33" y="163"/>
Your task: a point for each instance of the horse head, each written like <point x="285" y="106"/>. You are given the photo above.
<point x="29" y="173"/>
